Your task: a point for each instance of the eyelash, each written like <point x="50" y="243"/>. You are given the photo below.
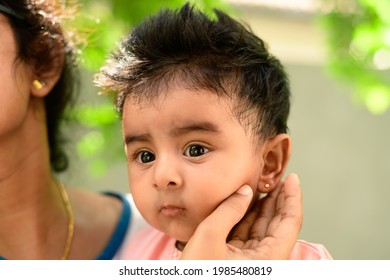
<point x="137" y="155"/>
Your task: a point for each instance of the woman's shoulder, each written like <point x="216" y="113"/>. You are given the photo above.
<point x="110" y="218"/>
<point x="96" y="217"/>
<point x="95" y="207"/>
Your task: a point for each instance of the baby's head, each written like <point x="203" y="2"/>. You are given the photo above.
<point x="204" y="108"/>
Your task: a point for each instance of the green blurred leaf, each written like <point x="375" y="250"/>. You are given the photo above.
<point x="95" y="116"/>
<point x="90" y="144"/>
<point x="377" y="99"/>
<point x="357" y="46"/>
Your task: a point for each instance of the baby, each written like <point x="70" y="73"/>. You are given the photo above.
<point x="204" y="111"/>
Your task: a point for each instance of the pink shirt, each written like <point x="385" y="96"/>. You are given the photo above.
<point x="151" y="244"/>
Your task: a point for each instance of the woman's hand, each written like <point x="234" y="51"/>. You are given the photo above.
<point x="268" y="231"/>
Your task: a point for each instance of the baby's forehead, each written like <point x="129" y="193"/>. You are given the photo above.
<point x="163" y="97"/>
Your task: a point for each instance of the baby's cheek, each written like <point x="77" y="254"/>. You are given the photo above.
<point x="206" y="208"/>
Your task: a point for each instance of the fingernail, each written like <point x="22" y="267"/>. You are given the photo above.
<point x="245" y="190"/>
<point x="297" y="177"/>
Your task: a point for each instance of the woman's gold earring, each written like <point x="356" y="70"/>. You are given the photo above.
<point x="38" y="84"/>
<point x="266" y="186"/>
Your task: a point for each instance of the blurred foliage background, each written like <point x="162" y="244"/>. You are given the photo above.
<point x="358" y="36"/>
<point x="358" y="40"/>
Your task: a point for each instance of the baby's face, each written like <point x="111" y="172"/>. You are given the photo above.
<point x="186" y="153"/>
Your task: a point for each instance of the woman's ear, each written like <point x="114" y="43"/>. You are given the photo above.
<point x="276" y="154"/>
<point x="46" y="79"/>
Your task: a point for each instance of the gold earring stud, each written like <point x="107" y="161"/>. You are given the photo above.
<point x="266" y="186"/>
<point x="38" y="84"/>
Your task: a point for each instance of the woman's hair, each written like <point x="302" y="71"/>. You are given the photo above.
<point x="42" y="43"/>
<point x="214" y="53"/>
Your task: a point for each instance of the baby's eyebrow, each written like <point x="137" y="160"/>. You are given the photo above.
<point x="199" y="126"/>
<point x="175" y="132"/>
<point x="131" y="138"/>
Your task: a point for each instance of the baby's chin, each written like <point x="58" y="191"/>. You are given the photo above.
<point x="180" y="231"/>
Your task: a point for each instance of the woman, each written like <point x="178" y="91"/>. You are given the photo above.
<point x="39" y="217"/>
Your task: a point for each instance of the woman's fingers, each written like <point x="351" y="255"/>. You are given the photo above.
<point x="241" y="232"/>
<point x="280" y="213"/>
<point x="286" y="225"/>
<point x="212" y="232"/>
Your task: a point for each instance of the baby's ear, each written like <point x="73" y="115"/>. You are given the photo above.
<point x="276" y="154"/>
<point x="46" y="79"/>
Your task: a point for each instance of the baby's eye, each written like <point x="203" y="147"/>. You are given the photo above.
<point x="195" y="151"/>
<point x="145" y="157"/>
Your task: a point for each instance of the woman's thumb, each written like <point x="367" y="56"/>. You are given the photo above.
<point x="213" y="231"/>
<point x="229" y="212"/>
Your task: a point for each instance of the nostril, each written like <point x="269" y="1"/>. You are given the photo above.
<point x="172" y="184"/>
